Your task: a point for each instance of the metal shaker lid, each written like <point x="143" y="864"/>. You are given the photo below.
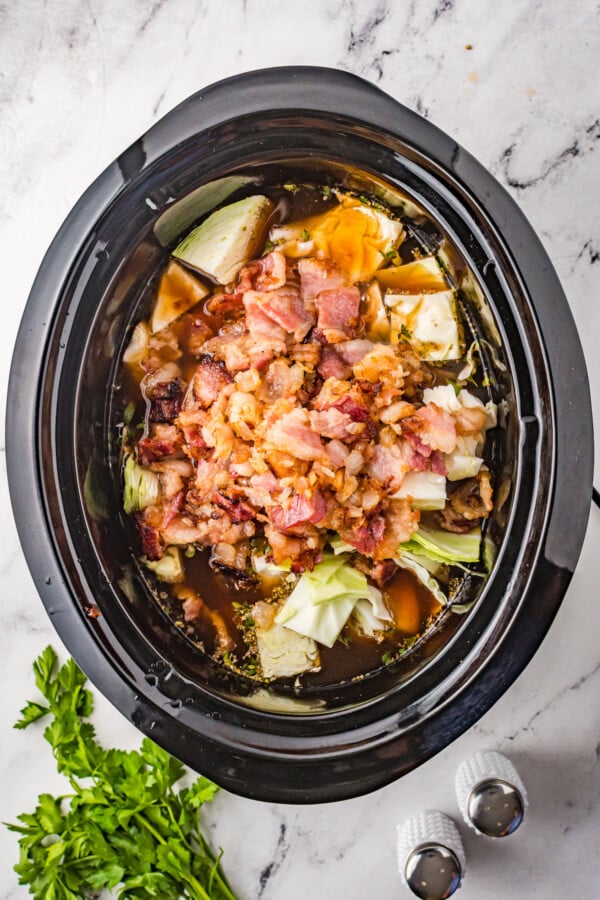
<point x="431" y="856"/>
<point x="495" y="807"/>
<point x="432" y="872"/>
<point x="490" y="794"/>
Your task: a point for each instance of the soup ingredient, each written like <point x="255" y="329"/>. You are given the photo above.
<point x="169" y="567"/>
<point x="282" y="652"/>
<point x="419" y="277"/>
<point x="227" y="239"/>
<point x="424" y="490"/>
<point x="429" y="321"/>
<point x="137" y="348"/>
<point x="125" y="826"/>
<point x="178" y="291"/>
<point x="357" y="238"/>
<point x="445" y="547"/>
<point x="323" y="600"/>
<point x="303" y="431"/>
<point x="413" y="563"/>
<point x="141" y="486"/>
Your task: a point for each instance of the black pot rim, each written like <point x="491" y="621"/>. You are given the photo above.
<point x="373" y="754"/>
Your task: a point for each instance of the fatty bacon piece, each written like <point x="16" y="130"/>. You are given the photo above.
<point x="274" y="314"/>
<point x="299" y="510"/>
<point x="264" y="274"/>
<point x="293" y="434"/>
<point x="209" y="380"/>
<point x="430" y="427"/>
<point x="240" y="351"/>
<point x="318" y="275"/>
<point x="337" y="359"/>
<point x="334" y="423"/>
<point x="164" y="440"/>
<point x="338" y="313"/>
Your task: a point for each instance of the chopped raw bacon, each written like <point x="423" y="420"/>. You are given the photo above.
<point x="258" y="320"/>
<point x="337" y="453"/>
<point x="366" y="537"/>
<point x="387" y="466"/>
<point x="355" y="410"/>
<point x="244" y="351"/>
<point x="172" y="509"/>
<point x="338" y="313"/>
<point x="153" y="449"/>
<point x="293" y="434"/>
<point x="149" y="539"/>
<point x="265" y="274"/>
<point x="436" y="428"/>
<point x="332" y="365"/>
<point x="209" y="380"/>
<point x="318" y="275"/>
<point x="333" y="423"/>
<point x="301" y="509"/>
<point x="284" y="547"/>
<point x="292" y="426"/>
<point x="195" y="443"/>
<point x="237" y="510"/>
<point x="266" y="482"/>
<point x="276" y="313"/>
<point x="401" y="522"/>
<point x="353" y="351"/>
<point x="438" y="463"/>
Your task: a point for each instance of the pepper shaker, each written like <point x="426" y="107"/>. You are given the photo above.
<point x="431" y="858"/>
<point x="490" y="794"/>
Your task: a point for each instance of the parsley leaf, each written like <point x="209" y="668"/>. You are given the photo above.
<point x="125" y="826"/>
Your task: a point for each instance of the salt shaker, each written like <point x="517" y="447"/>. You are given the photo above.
<point x="490" y="794"/>
<point x="431" y="858"/>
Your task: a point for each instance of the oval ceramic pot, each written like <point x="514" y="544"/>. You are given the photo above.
<point x="63" y="408"/>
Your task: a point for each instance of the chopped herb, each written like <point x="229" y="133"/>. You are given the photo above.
<point x="305" y="236"/>
<point x="269" y="246"/>
<point x="125" y="824"/>
<point x="387" y="657"/>
<point x="327" y="192"/>
<point x="128" y="412"/>
<point x="190" y="551"/>
<point x="228" y="659"/>
<point x="291" y="187"/>
<point x="486" y="381"/>
<point x="389" y="254"/>
<point x="405" y="332"/>
<point x="364" y="199"/>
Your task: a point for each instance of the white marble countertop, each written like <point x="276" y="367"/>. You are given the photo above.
<point x="79" y="81"/>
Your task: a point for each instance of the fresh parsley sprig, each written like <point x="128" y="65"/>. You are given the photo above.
<point x="124" y="826"/>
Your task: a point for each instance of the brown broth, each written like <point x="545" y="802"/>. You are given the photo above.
<point x="413" y="607"/>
